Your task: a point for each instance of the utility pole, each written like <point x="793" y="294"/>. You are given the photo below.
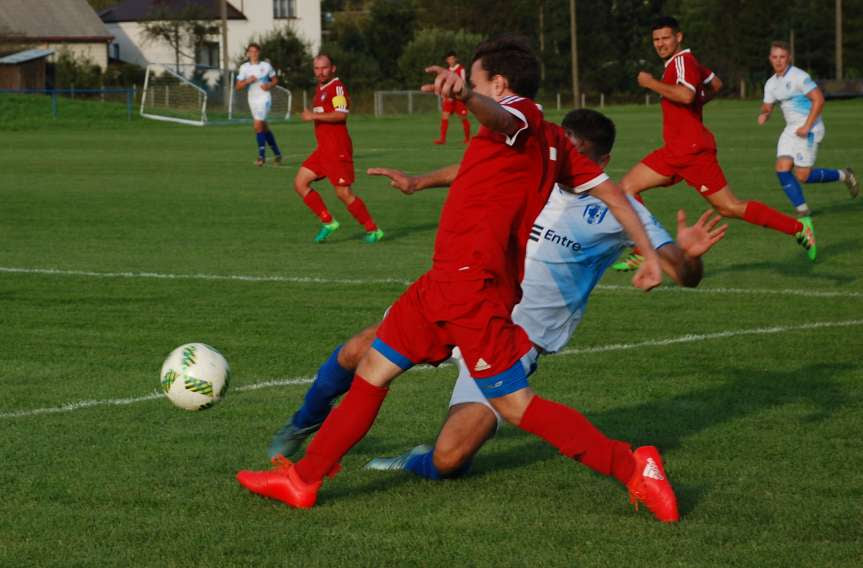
<point x="223" y="12"/>
<point x="576" y="92"/>
<point x="839" y="39"/>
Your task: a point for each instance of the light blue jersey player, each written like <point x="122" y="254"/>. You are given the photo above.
<point x="801" y="102"/>
<point x="573" y="241"/>
<point x="260" y="78"/>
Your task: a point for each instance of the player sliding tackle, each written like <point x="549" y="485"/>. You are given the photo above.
<point x="556" y="286"/>
<point x="467" y="297"/>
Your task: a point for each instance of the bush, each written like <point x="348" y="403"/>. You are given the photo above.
<point x="429" y="47"/>
<point x="80" y="73"/>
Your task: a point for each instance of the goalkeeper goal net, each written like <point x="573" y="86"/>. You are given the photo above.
<point x="388" y="103"/>
<point x="198" y="95"/>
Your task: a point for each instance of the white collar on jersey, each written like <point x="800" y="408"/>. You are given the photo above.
<point x="327" y="84"/>
<point x="670" y="59"/>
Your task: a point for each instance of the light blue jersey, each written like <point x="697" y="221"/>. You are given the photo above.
<point x="573" y="241"/>
<point x="790" y="90"/>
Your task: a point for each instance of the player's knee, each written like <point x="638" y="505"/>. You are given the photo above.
<point x="345" y="194"/>
<point x="450" y="459"/>
<point x="357" y="346"/>
<point x="802" y="174"/>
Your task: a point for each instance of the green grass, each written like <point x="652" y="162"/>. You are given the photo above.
<point x="761" y="431"/>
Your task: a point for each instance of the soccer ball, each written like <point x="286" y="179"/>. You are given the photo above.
<point x="195" y="376"/>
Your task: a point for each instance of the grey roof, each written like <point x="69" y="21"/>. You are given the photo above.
<point x="144" y="10"/>
<point x="51" y="20"/>
<point x="24" y="56"/>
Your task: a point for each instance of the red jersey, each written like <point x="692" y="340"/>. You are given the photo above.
<point x="487" y="203"/>
<point x="333" y="137"/>
<point x="682" y="128"/>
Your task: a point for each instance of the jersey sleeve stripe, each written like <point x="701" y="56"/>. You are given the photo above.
<point x="709" y="77"/>
<point x="681" y="74"/>
<point x="510" y="140"/>
<point x="590" y="184"/>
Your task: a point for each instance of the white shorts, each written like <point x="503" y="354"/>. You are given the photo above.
<point x="260" y="107"/>
<point x="801" y="150"/>
<point x="466" y="390"/>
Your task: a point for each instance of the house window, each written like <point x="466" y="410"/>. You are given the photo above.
<point x="114" y="52"/>
<point x="283" y="9"/>
<point x="207" y="54"/>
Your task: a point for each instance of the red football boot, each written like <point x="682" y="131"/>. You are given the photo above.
<point x="281" y="483"/>
<point x="650" y="485"/>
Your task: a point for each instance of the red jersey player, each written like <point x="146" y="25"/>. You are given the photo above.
<point x="689" y="152"/>
<point x="334" y="156"/>
<point x="452" y="105"/>
<point x="465" y="300"/>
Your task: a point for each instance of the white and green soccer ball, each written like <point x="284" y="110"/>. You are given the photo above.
<point x="195" y="376"/>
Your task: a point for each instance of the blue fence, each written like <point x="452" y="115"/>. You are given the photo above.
<point x="72" y="93"/>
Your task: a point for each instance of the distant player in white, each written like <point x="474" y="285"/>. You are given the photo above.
<point x="573" y="241"/>
<point x="260" y="77"/>
<point x="802" y="102"/>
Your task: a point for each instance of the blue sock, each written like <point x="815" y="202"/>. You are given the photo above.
<point x="822" y="175"/>
<point x="331" y="382"/>
<point x="271" y="140"/>
<point x="423" y="466"/>
<point x="792" y="188"/>
<point x="262" y="144"/>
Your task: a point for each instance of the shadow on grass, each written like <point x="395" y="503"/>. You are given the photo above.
<point x="801" y="267"/>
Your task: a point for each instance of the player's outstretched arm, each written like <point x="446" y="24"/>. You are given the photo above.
<point x="486" y="110"/>
<point x="682" y="260"/>
<point x="649" y="274"/>
<point x="411" y="184"/>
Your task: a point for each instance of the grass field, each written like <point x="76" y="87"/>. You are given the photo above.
<point x="121" y="240"/>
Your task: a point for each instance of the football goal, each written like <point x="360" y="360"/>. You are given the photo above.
<point x="388" y="103"/>
<point x="198" y="96"/>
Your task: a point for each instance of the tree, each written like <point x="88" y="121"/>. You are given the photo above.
<point x="389" y="28"/>
<point x="289" y="55"/>
<point x="183" y="28"/>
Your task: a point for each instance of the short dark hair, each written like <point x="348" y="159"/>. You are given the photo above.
<point x="781" y="45"/>
<point x="510" y="56"/>
<point x="327" y="55"/>
<point x="450" y="53"/>
<point x="591" y="126"/>
<point x="665" y="22"/>
<point x="255" y="45"/>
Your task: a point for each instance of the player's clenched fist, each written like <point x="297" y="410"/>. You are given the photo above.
<point x="649" y="274"/>
<point x="447" y="84"/>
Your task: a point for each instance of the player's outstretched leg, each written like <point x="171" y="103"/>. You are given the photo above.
<point x="828" y="175"/>
<point x="312" y="199"/>
<point x="649" y="485"/>
<point x="851" y="182"/>
<point x="332" y="380"/>
<point x="358" y="210"/>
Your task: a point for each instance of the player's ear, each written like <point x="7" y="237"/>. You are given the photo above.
<point x="499" y="84"/>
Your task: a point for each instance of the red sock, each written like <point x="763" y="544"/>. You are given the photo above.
<point x="314" y="202"/>
<point x="573" y="434"/>
<point x="759" y="214"/>
<point x="346" y="425"/>
<point x="444" y="124"/>
<point x="358" y="209"/>
<point x="465" y="124"/>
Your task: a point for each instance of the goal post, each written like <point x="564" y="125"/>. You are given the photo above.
<point x="389" y="103"/>
<point x="171" y="97"/>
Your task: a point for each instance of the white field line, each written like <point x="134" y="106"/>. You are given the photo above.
<point x="405" y="282"/>
<point x="690" y="338"/>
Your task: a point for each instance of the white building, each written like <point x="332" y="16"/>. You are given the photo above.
<point x="247" y="20"/>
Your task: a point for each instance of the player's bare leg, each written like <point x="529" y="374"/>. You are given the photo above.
<point x="444" y="125"/>
<point x="357" y="208"/>
<point x="636" y="180"/>
<point x="303" y="186"/>
<point x="467" y="427"/>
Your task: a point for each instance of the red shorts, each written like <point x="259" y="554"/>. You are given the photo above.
<point x="338" y="168"/>
<point x="432" y="316"/>
<point x="701" y="171"/>
<point x="454" y="106"/>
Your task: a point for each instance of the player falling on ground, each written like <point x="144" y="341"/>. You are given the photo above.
<point x="689" y="152"/>
<point x="260" y="77"/>
<point x="466" y="299"/>
<point x="574" y="241"/>
<point x="333" y="157"/>
<point x="802" y="103"/>
<point x="453" y="106"/>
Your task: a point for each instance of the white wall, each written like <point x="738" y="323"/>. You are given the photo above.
<point x="95" y="52"/>
<point x="134" y="48"/>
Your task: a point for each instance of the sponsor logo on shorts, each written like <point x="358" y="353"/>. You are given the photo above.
<point x="704" y="189"/>
<point x="481" y="365"/>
